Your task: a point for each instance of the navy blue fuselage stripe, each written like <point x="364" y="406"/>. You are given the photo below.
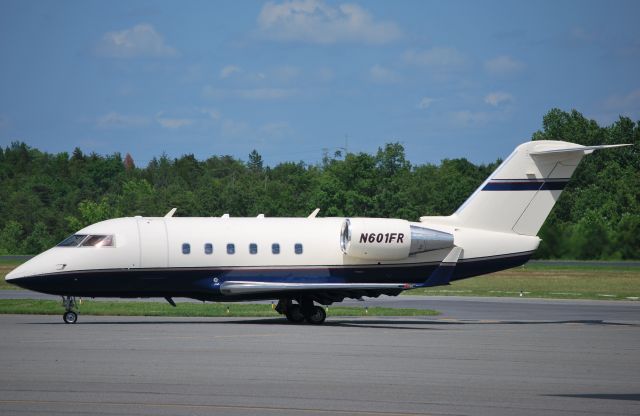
<point x="525" y="186"/>
<point x="198" y="283"/>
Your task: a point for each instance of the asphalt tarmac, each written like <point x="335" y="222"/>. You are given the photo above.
<point x="458" y="307"/>
<point x="483" y="356"/>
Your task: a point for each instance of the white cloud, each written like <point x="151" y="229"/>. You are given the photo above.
<point x="625" y="102"/>
<point x="193" y="73"/>
<point x="503" y="65"/>
<point x="212" y="113"/>
<point x="325" y="74"/>
<point x="286" y="73"/>
<point x="249" y="93"/>
<point x="383" y="75"/>
<point x="125" y="90"/>
<point x="581" y="35"/>
<point x="114" y="119"/>
<point x="467" y="118"/>
<point x="615" y="106"/>
<point x="173" y="123"/>
<point x="497" y="98"/>
<point x="232" y="128"/>
<point x="436" y="58"/>
<point x="315" y="21"/>
<point x="229" y="70"/>
<point x="265" y="93"/>
<point x="425" y="103"/>
<point x="276" y="130"/>
<point x="139" y="41"/>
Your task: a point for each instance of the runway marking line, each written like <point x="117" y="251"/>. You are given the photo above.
<point x="214" y="406"/>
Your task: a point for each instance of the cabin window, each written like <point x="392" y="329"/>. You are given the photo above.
<point x="73" y="240"/>
<point x="231" y="248"/>
<point x="186" y="248"/>
<point x="208" y="248"/>
<point x="298" y="248"/>
<point x="275" y="248"/>
<point x="253" y="248"/>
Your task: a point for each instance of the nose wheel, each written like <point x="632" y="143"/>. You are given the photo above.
<point x="69" y="316"/>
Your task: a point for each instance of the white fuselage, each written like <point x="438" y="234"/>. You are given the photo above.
<point x="153" y="243"/>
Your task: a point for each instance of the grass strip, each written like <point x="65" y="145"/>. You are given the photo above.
<point x="5" y="267"/>
<point x="186" y="309"/>
<point x="614" y="283"/>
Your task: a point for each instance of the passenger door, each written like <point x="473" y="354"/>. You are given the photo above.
<point x="153" y="242"/>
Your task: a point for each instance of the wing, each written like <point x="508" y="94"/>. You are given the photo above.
<point x="327" y="293"/>
<point x="323" y="293"/>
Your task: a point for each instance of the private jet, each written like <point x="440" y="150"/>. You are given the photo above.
<point x="305" y="263"/>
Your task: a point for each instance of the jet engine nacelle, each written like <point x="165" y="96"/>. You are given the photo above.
<point x="389" y="239"/>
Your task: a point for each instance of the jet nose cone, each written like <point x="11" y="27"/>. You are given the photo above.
<point x="13" y="274"/>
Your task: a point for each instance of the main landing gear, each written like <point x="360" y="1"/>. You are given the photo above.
<point x="302" y="311"/>
<point x="69" y="316"/>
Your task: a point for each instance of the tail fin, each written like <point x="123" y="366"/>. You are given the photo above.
<point x="520" y="194"/>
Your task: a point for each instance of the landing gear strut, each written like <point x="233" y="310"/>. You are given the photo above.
<point x="302" y="311"/>
<point x="69" y="316"/>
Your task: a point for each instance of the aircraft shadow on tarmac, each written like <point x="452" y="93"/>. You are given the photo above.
<point x="400" y="324"/>
<point x="632" y="397"/>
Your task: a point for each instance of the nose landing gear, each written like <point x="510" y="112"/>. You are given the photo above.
<point x="69" y="316"/>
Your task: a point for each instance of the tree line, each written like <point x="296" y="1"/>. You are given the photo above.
<point x="45" y="197"/>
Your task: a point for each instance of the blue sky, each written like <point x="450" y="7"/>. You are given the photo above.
<point x="291" y="78"/>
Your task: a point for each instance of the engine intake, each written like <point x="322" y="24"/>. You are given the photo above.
<point x="389" y="239"/>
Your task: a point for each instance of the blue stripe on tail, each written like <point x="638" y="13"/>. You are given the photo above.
<point x="526" y="185"/>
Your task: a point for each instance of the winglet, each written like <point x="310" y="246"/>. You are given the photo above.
<point x="170" y="213"/>
<point x="442" y="274"/>
<point x="314" y="213"/>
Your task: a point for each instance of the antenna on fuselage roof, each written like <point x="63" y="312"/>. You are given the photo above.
<point x="170" y="213"/>
<point x="314" y="213"/>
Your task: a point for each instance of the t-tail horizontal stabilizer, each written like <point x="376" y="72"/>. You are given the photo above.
<point x="576" y="148"/>
<point x="441" y="276"/>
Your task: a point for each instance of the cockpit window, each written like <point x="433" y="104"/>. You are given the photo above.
<point x="83" y="240"/>
<point x="72" y="240"/>
<point x="98" y="241"/>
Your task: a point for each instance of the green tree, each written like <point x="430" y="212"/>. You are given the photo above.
<point x="11" y="238"/>
<point x="39" y="240"/>
<point x="255" y="162"/>
<point x="90" y="212"/>
<point x="44" y="197"/>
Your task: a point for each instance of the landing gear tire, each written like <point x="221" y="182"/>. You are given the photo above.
<point x="318" y="316"/>
<point x="294" y="314"/>
<point x="70" y="317"/>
